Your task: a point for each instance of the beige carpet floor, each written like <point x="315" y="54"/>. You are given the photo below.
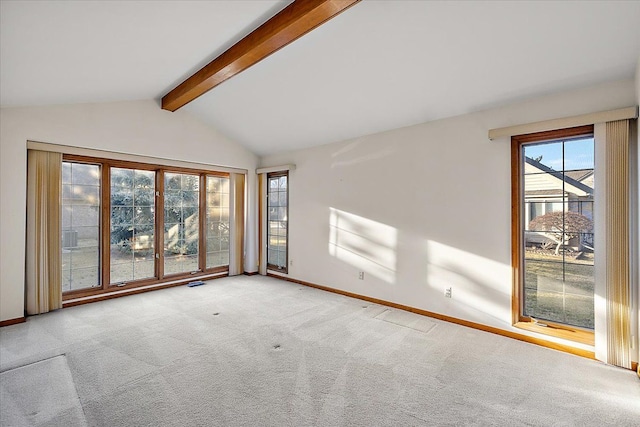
<point x="256" y="351"/>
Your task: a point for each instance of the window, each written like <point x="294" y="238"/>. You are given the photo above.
<point x="80" y="226"/>
<point x="552" y="178"/>
<point x="181" y="223"/>
<point x="277" y="221"/>
<point x="117" y="215"/>
<point x="132" y="246"/>
<point x="218" y="224"/>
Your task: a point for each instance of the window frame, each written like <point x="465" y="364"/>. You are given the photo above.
<point x="105" y="286"/>
<point x="274" y="267"/>
<point x="519" y="320"/>
<point x="101" y="213"/>
<point x="203" y="221"/>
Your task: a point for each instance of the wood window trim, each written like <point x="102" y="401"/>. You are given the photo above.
<point x="273" y="267"/>
<point x="122" y="292"/>
<point x="181" y="278"/>
<point x="558" y="330"/>
<point x="105" y="287"/>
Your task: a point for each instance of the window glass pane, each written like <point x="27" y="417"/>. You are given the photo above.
<point x="81" y="278"/>
<point x="274" y="198"/>
<point x="121" y="268"/>
<point x="143" y="267"/>
<point x="86" y="215"/>
<point x="213" y="245"/>
<point x="544" y="156"/>
<point x="172" y="182"/>
<point x="144" y="196"/>
<point x="132" y="225"/>
<point x="66" y="173"/>
<point x="558" y="236"/>
<point x="80" y="225"/>
<point x="273" y="213"/>
<point x="81" y="194"/>
<point x="282" y="214"/>
<point x="579" y="156"/>
<point x="281" y="258"/>
<point x="145" y="179"/>
<point x="121" y="216"/>
<point x="217" y="221"/>
<point x="277" y="223"/>
<point x="85" y="174"/>
<point x="224" y="239"/>
<point x="181" y="223"/>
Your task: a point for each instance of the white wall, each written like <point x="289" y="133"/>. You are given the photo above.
<point x="421" y="208"/>
<point x="638" y="215"/>
<point x="139" y="127"/>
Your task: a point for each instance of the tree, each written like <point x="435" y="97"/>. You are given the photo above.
<point x="132" y="206"/>
<point x="561" y="227"/>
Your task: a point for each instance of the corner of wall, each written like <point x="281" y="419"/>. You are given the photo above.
<point x="130" y="127"/>
<point x="637" y="219"/>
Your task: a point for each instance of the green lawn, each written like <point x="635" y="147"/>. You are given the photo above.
<point x="559" y="291"/>
<point x="124" y="267"/>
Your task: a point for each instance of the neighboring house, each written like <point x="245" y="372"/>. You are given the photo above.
<point x="548" y="190"/>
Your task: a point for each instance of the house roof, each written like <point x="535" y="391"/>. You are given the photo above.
<point x="379" y="65"/>
<point x="560" y="176"/>
<point x="579" y="175"/>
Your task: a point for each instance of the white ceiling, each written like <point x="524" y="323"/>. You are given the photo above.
<point x="380" y="65"/>
<point x="61" y="52"/>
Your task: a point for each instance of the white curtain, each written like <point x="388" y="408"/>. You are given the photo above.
<point x="44" y="253"/>
<point x="618" y="268"/>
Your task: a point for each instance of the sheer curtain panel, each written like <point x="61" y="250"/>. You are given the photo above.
<point x="618" y="255"/>
<point x="44" y="251"/>
<point x="236" y="241"/>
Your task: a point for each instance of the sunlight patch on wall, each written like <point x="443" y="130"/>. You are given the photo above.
<point x="346" y="151"/>
<point x="365" y="244"/>
<point x="476" y="281"/>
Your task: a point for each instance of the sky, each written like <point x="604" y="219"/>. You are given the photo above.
<point x="578" y="154"/>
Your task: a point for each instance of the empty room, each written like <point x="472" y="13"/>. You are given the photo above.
<point x="319" y="213"/>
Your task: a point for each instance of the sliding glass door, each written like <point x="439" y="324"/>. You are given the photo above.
<point x="217" y="221"/>
<point x="128" y="224"/>
<point x="181" y="223"/>
<point x="132" y="245"/>
<point x="277" y="221"/>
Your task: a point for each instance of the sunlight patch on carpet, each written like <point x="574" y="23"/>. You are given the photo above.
<point x="406" y="319"/>
<point x="41" y="393"/>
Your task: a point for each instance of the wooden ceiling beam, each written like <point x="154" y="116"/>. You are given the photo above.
<point x="292" y="22"/>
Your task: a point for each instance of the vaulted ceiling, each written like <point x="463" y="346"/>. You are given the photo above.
<point x="377" y="66"/>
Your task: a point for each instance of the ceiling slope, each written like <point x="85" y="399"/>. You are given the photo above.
<point x="379" y="65"/>
<point x="291" y="23"/>
<point x="62" y="52"/>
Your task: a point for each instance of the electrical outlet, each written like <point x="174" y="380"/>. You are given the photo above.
<point x="290" y="263"/>
<point x="361" y="275"/>
<point x="447" y="292"/>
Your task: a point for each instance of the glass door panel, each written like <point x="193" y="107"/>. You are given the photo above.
<point x="217" y="222"/>
<point x="277" y="222"/>
<point x="558" y="232"/>
<point x="132" y="249"/>
<point x="181" y="222"/>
